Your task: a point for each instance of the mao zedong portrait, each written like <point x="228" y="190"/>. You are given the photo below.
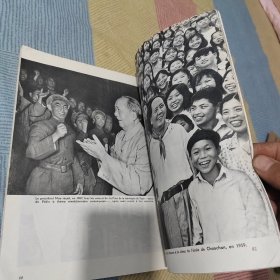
<point x="127" y="169"/>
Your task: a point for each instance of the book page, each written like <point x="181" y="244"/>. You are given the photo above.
<point x="214" y="212"/>
<point x="79" y="202"/>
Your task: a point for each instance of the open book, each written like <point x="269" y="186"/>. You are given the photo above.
<point x="111" y="174"/>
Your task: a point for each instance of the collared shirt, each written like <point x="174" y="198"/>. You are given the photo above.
<point x="222" y="128"/>
<point x="230" y="209"/>
<point x="233" y="155"/>
<point x="168" y="171"/>
<point x="128" y="169"/>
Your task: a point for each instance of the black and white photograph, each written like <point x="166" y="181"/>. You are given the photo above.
<point x="80" y="187"/>
<point x="76" y="134"/>
<point x="111" y="174"/>
<point x="198" y="139"/>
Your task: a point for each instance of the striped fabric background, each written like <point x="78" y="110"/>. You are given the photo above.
<point x="109" y="33"/>
<point x="59" y="27"/>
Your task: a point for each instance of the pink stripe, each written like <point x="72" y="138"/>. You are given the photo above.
<point x="273" y="14"/>
<point x="173" y="11"/>
<point x="247" y="275"/>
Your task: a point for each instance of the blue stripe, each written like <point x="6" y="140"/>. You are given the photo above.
<point x="59" y="27"/>
<point x="252" y="67"/>
<point x="8" y="77"/>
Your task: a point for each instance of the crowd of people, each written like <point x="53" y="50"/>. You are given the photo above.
<point x="197" y="134"/>
<point x="52" y="153"/>
<point x="198" y="140"/>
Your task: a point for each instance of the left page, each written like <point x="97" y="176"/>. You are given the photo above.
<point x="79" y="201"/>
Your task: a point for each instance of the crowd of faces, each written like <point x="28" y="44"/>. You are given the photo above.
<point x="185" y="78"/>
<point x="179" y="63"/>
<point x="35" y="84"/>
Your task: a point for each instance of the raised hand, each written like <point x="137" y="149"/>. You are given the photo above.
<point x="61" y="131"/>
<point x="93" y="147"/>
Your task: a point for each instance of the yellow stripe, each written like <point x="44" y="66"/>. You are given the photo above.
<point x="203" y="6"/>
<point x="267" y="37"/>
<point x="119" y="29"/>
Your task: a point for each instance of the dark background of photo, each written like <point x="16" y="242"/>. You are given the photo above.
<point x="94" y="92"/>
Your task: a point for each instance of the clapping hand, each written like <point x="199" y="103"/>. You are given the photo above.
<point x="79" y="189"/>
<point x="93" y="147"/>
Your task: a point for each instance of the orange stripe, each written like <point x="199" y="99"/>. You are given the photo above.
<point x="203" y="6"/>
<point x="119" y="29"/>
<point x="173" y="11"/>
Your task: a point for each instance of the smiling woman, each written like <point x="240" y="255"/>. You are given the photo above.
<point x="178" y="100"/>
<point x="162" y="81"/>
<point x="233" y="115"/>
<point x="229" y="83"/>
<point x="236" y="151"/>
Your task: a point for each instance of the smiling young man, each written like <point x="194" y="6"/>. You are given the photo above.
<point x="226" y="205"/>
<point x="204" y="109"/>
<point x="51" y="143"/>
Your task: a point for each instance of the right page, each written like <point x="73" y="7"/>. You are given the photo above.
<point x="214" y="213"/>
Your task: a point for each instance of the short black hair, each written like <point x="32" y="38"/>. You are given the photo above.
<point x="163" y="71"/>
<point x="149" y="111"/>
<point x="209" y="73"/>
<point x="184" y="118"/>
<point x="204" y="51"/>
<point x="184" y="70"/>
<point x="227" y="98"/>
<point x="167" y="50"/>
<point x="213" y="94"/>
<point x="184" y="91"/>
<point x="154" y="51"/>
<point x="204" y="134"/>
<point x="175" y="59"/>
<point x="203" y="43"/>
